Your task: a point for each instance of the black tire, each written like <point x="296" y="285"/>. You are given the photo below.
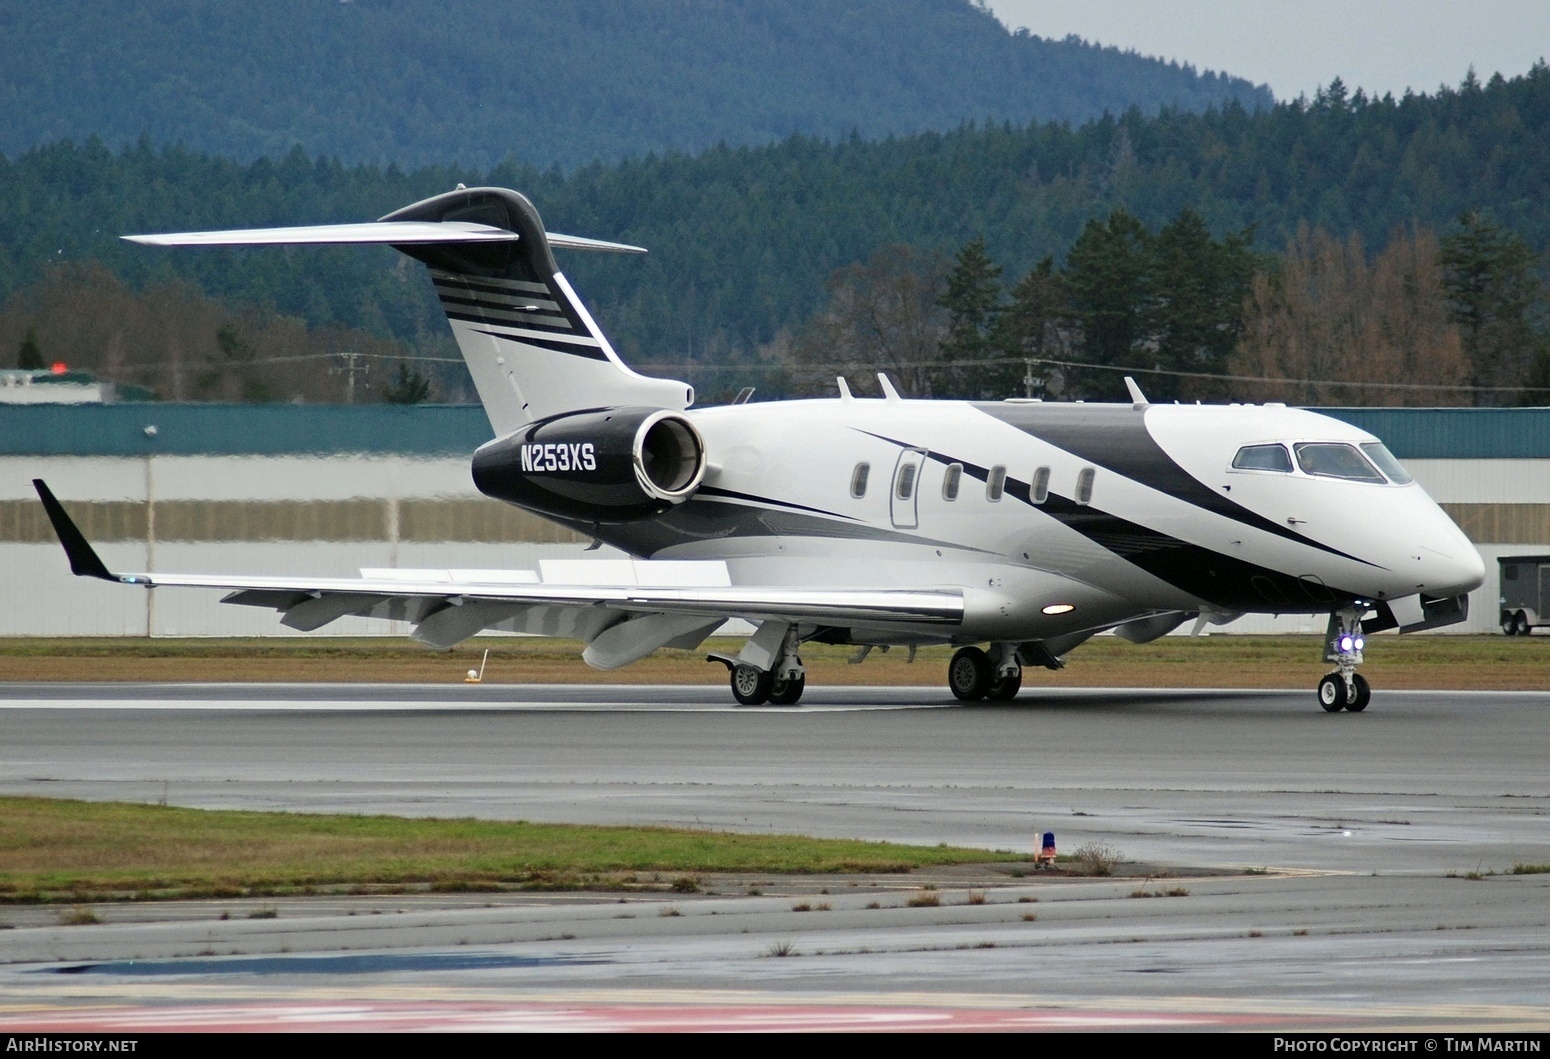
<point x="1509" y="624"/>
<point x="1004" y="689"/>
<point x="787" y="692"/>
<point x="750" y="685"/>
<point x="969" y="674"/>
<point x="1362" y="694"/>
<point x="1525" y="627"/>
<point x="1332" y="693"/>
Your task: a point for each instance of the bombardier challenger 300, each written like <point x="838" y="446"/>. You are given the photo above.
<point x="1015" y="529"/>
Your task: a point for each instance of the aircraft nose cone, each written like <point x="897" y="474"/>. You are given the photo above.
<point x="1453" y="572"/>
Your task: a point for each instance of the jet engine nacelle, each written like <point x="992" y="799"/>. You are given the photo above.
<point x="608" y="465"/>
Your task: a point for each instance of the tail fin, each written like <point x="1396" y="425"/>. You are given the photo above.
<point x="531" y="346"/>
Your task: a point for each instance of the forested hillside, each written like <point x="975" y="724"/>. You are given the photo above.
<point x="744" y="241"/>
<point x="472" y="82"/>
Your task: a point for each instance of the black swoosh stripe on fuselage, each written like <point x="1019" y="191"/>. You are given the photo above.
<point x="1226" y="581"/>
<point x="1117" y="440"/>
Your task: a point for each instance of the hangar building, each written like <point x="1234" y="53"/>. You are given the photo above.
<point x="326" y="490"/>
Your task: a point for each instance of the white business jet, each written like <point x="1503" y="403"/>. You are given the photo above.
<point x="1016" y="530"/>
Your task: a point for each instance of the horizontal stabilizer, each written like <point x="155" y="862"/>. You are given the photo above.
<point x="392" y="233"/>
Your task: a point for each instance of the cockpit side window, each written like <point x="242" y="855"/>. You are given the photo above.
<point x="1333" y="459"/>
<point x="1262" y="458"/>
<point x="1378" y="453"/>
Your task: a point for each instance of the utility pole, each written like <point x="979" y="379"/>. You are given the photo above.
<point x="354" y="364"/>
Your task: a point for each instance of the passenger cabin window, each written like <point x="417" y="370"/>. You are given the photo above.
<point x="995" y="485"/>
<point x="858" y="479"/>
<point x="1378" y="453"/>
<point x="950" y="481"/>
<point x="1332" y="459"/>
<point x="1038" y="492"/>
<point x="1262" y="458"/>
<point x="906" y="485"/>
<point x="1084" y="485"/>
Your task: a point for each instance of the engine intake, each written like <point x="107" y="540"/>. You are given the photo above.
<point x="609" y="465"/>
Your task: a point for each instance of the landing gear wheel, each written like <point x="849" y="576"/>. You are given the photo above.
<point x="750" y="685"/>
<point x="786" y="692"/>
<point x="1004" y="689"/>
<point x="1361" y="694"/>
<point x="1332" y="693"/>
<point x="969" y="674"/>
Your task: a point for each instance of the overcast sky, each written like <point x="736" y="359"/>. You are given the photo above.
<point x="1296" y="46"/>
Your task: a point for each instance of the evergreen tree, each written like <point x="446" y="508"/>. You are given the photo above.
<point x="29" y="356"/>
<point x="973" y="303"/>
<point x="1495" y="297"/>
<point x="1106" y="273"/>
<point x="1196" y="288"/>
<point x="412" y="387"/>
<point x="1037" y="326"/>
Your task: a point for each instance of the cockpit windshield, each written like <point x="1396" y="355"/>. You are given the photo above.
<point x="1378" y="453"/>
<point x="1333" y="459"/>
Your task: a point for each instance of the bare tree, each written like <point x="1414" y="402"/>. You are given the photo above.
<point x="1326" y="317"/>
<point x="883" y="315"/>
<point x="177" y="342"/>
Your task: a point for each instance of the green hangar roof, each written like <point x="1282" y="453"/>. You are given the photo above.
<point x="240" y="429"/>
<point x="435" y="430"/>
<point x="1455" y="433"/>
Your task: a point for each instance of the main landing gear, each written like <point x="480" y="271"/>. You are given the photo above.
<point x="1345" y="688"/>
<point x="752" y="686"/>
<point x="973" y="674"/>
<point x="782" y="683"/>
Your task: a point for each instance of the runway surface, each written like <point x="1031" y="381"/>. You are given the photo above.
<point x="1380" y="842"/>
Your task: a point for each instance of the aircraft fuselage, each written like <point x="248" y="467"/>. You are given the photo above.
<point x="1054" y="517"/>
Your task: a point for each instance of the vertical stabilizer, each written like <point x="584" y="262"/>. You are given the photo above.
<point x="531" y="346"/>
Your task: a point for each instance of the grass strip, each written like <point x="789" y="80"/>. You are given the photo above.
<point x="1220" y="660"/>
<point x="63" y="850"/>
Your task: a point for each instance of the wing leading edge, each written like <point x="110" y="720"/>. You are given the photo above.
<point x="664" y="603"/>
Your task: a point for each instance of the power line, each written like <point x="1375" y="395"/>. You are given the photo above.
<point x="766" y="367"/>
<point x="1118" y="368"/>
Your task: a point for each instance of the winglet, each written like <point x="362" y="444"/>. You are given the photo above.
<point x="1136" y="395"/>
<point x="83" y="559"/>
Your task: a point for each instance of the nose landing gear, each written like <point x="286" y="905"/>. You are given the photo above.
<point x="1345" y="688"/>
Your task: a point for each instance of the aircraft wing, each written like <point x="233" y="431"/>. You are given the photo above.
<point x="624" y="608"/>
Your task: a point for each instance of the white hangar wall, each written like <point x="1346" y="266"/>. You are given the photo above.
<point x="317" y="516"/>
